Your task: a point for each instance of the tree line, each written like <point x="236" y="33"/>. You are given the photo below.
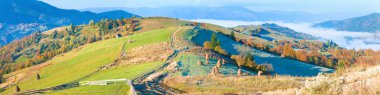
<point x="327" y="54"/>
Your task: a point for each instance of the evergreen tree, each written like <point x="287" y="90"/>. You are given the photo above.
<point x="38" y="76"/>
<point x="72" y="29"/>
<point x="1" y="78"/>
<point x="214" y="41"/>
<point x="55" y="34"/>
<point x="218" y="43"/>
<point x="114" y="24"/>
<point x="94" y="38"/>
<point x="232" y="34"/>
<point x="17" y="89"/>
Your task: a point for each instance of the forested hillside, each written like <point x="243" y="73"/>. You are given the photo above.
<point x="21" y="18"/>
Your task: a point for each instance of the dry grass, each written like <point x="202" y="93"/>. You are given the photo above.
<point x="15" y="77"/>
<point x="153" y="77"/>
<point x="173" y="67"/>
<point x="232" y="84"/>
<point x="148" y="53"/>
<point x="153" y="23"/>
<point x="359" y="80"/>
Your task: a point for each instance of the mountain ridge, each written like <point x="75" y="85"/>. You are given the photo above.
<point x="237" y="12"/>
<point x="367" y="23"/>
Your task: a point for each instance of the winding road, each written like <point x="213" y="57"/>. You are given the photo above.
<point x="156" y="87"/>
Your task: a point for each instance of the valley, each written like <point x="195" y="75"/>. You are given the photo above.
<point x="186" y="48"/>
<point x="125" y="58"/>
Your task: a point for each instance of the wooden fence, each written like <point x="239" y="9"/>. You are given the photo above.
<point x="103" y="82"/>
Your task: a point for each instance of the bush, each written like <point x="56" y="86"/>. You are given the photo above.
<point x="238" y="59"/>
<point x="207" y="45"/>
<point x="221" y="51"/>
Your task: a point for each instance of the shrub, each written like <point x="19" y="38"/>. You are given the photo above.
<point x="221" y="51"/>
<point x="207" y="45"/>
<point x="199" y="62"/>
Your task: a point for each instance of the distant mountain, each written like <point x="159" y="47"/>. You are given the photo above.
<point x="270" y="31"/>
<point x="221" y="13"/>
<point x="288" y="32"/>
<point x="22" y="17"/>
<point x="225" y="13"/>
<point x="368" y="23"/>
<point x="117" y="14"/>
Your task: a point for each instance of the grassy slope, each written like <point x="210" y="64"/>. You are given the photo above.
<point x="113" y="89"/>
<point x="129" y="72"/>
<point x="75" y="64"/>
<point x="154" y="36"/>
<point x="189" y="66"/>
<point x="281" y="66"/>
<point x="79" y="63"/>
<point x="154" y="23"/>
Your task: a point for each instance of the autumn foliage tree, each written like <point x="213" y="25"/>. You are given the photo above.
<point x="288" y="51"/>
<point x="245" y="60"/>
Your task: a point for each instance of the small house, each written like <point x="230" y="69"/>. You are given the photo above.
<point x="118" y="35"/>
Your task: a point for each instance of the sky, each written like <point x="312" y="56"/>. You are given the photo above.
<point x="311" y="6"/>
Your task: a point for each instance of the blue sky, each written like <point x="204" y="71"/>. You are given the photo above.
<point x="311" y="6"/>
